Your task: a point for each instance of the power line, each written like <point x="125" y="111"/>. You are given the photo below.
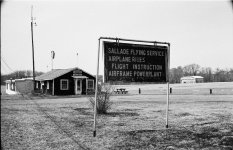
<point x="6" y="64"/>
<point x="3" y="68"/>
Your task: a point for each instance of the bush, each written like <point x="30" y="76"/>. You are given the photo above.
<point x="90" y="91"/>
<point x="103" y="99"/>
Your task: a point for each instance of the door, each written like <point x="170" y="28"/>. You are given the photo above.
<point x="78" y="86"/>
<point x="84" y="89"/>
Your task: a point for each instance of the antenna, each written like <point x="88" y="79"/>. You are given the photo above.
<point x="33" y="18"/>
<point x="31" y="12"/>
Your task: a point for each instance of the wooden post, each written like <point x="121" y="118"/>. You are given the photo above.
<point x="167" y="105"/>
<point x="168" y="69"/>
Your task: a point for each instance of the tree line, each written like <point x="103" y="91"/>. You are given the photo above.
<point x="209" y="75"/>
<point x="19" y="75"/>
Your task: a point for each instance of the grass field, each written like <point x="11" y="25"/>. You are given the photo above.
<point x="197" y="120"/>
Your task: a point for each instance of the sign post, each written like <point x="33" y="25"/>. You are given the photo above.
<point x="132" y="62"/>
<point x="167" y="109"/>
<point x="168" y="66"/>
<point x="96" y="91"/>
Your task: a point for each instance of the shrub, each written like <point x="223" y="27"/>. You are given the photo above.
<point x="90" y="91"/>
<point x="103" y="99"/>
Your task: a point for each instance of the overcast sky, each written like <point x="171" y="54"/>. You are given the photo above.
<point x="199" y="31"/>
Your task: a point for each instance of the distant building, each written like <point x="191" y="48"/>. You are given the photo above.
<point x="73" y="81"/>
<point x="16" y="86"/>
<point x="192" y="79"/>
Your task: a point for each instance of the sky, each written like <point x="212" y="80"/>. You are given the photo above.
<point x="200" y="32"/>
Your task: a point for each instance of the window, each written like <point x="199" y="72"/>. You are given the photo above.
<point x="64" y="84"/>
<point x="47" y="85"/>
<point x="90" y="84"/>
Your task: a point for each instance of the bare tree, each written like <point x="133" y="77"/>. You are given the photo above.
<point x="207" y="73"/>
<point x="18" y="75"/>
<point x="191" y="69"/>
<point x="210" y="75"/>
<point x="223" y="75"/>
<point x="104" y="102"/>
<point x="176" y="74"/>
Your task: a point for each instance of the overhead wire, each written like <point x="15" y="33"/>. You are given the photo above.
<point x="2" y="59"/>
<point x="3" y="68"/>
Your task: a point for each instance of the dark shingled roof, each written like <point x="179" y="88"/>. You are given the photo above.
<point x="54" y="74"/>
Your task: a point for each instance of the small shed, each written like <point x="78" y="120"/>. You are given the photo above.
<point x="72" y="81"/>
<point x="23" y="86"/>
<point x="192" y="79"/>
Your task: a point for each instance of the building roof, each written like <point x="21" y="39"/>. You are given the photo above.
<point x="191" y="77"/>
<point x="9" y="81"/>
<point x="55" y="73"/>
<point x="22" y="79"/>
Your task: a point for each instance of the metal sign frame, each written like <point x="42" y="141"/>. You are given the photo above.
<point x="167" y="65"/>
<point x="126" y="63"/>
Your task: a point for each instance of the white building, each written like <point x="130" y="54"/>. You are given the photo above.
<point x="17" y="86"/>
<point x="192" y="79"/>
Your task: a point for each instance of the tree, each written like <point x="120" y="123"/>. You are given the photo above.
<point x="207" y="74"/>
<point x="191" y="70"/>
<point x="217" y="75"/>
<point x="18" y="75"/>
<point x="231" y="74"/>
<point x="176" y="74"/>
<point x="223" y="75"/>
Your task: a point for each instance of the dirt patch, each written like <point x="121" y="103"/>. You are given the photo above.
<point x="199" y="119"/>
<point x="131" y="109"/>
<point x="122" y="114"/>
<point x="184" y="114"/>
<point x="209" y="137"/>
<point x="83" y="111"/>
<point x="227" y="141"/>
<point x="154" y="139"/>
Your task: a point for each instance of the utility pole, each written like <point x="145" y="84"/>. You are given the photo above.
<point x="32" y="23"/>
